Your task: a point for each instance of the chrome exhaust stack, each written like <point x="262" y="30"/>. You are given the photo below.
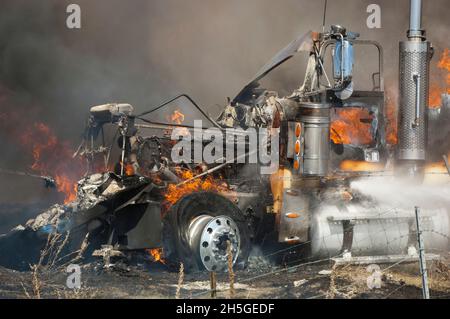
<point x="414" y="73"/>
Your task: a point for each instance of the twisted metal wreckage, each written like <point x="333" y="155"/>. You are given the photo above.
<point x="308" y="200"/>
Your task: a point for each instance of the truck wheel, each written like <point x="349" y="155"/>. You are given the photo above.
<point x="197" y="229"/>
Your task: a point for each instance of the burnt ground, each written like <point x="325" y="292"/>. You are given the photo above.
<point x="260" y="280"/>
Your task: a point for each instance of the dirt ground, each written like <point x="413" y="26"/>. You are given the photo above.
<point x="261" y="280"/>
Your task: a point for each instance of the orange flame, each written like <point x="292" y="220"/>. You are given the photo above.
<point x="349" y="127"/>
<point x="434" y="168"/>
<point x="436" y="89"/>
<point x="208" y="184"/>
<point x="178" y="118"/>
<point x="128" y="169"/>
<point x="444" y="64"/>
<point x="48" y="155"/>
<point x="66" y="186"/>
<point x="360" y="166"/>
<point x="54" y="158"/>
<point x="437" y="167"/>
<point x="391" y="121"/>
<point x="157" y="254"/>
<point x="434" y="99"/>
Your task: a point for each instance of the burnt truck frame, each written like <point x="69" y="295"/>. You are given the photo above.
<point x="139" y="223"/>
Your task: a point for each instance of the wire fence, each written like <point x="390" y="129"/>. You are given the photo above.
<point x="392" y="224"/>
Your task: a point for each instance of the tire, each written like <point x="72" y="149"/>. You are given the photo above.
<point x="177" y="220"/>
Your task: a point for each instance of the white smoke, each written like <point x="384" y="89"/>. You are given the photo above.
<point x="401" y="193"/>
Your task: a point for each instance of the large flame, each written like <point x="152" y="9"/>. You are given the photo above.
<point x="437" y="86"/>
<point x="53" y="158"/>
<point x="351" y="126"/>
<point x="38" y="144"/>
<point x="206" y="184"/>
<point x="444" y="64"/>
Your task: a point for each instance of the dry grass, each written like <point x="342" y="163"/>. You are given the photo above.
<point x="405" y="274"/>
<point x="36" y="282"/>
<point x="180" y="281"/>
<point x="213" y="284"/>
<point x="49" y="263"/>
<point x="230" y="269"/>
<point x="438" y="276"/>
<point x="332" y="289"/>
<point x="59" y="250"/>
<point x="36" y="269"/>
<point x="82" y="293"/>
<point x="25" y="291"/>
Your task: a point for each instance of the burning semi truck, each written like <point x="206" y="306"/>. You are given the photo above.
<point x="196" y="212"/>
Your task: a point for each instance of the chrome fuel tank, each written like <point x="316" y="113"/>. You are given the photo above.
<point x="375" y="231"/>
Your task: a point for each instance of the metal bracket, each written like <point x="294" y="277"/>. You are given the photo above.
<point x="416" y="78"/>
